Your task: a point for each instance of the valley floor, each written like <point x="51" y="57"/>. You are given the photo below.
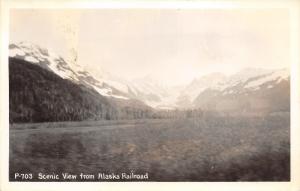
<point x="236" y="148"/>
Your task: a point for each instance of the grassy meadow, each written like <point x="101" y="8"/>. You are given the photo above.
<point x="220" y="148"/>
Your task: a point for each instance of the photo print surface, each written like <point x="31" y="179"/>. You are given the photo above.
<point x="171" y="95"/>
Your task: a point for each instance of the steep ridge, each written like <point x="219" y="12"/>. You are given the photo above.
<point x="66" y="70"/>
<point x="39" y="95"/>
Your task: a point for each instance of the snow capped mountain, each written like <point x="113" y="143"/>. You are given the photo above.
<point x="201" y="91"/>
<point x="262" y="90"/>
<point x="65" y="69"/>
<point x="242" y="76"/>
<point x="248" y="80"/>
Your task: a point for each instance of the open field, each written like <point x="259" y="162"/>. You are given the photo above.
<point x="208" y="149"/>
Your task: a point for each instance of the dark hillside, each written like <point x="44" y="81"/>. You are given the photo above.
<point x="38" y="95"/>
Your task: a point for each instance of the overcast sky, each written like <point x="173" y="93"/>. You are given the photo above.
<point x="173" y="46"/>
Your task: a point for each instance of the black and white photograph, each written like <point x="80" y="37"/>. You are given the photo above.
<point x="149" y="95"/>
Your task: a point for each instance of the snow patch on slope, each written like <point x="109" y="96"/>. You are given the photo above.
<point x="120" y="86"/>
<point x="15" y="51"/>
<point x="108" y="93"/>
<point x="31" y="59"/>
<point x="277" y="76"/>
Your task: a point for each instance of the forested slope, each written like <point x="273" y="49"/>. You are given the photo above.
<point x="37" y="95"/>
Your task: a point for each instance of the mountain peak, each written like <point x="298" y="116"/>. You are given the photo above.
<point x="56" y="64"/>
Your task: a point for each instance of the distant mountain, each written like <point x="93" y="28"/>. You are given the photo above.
<point x="211" y="91"/>
<point x="190" y="92"/>
<point x="248" y="89"/>
<point x="153" y="93"/>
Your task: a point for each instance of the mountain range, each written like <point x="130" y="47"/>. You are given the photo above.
<point x="250" y="89"/>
